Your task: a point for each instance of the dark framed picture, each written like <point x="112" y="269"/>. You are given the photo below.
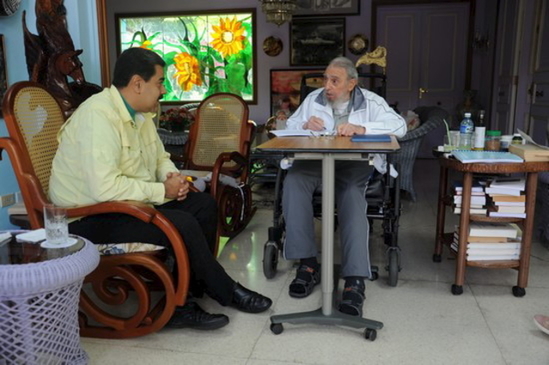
<point x="327" y="7"/>
<point x="206" y="52"/>
<point x="285" y="90"/>
<point x="3" y="73"/>
<point x="315" y="42"/>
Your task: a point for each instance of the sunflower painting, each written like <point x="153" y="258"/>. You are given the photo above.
<point x="204" y="53"/>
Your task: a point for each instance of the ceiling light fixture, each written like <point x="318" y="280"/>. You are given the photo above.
<point x="278" y="11"/>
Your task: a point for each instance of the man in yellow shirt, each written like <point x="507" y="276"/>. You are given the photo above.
<point x="109" y="150"/>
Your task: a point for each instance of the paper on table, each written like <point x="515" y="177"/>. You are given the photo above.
<point x="529" y="139"/>
<point x="32" y="236"/>
<point x="301" y="133"/>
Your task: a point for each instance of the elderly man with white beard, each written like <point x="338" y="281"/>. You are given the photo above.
<point x="343" y="108"/>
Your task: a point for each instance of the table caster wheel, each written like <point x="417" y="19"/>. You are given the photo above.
<point x="277" y="328"/>
<point x="519" y="292"/>
<point x="457" y="289"/>
<point x="437" y="258"/>
<point x="370" y="334"/>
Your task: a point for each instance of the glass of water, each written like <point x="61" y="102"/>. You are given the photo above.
<point x="55" y="222"/>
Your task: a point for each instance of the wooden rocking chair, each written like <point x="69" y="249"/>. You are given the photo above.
<point x="33" y="118"/>
<point x="219" y="144"/>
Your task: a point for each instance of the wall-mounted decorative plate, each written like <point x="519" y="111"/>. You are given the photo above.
<point x="272" y="46"/>
<point x="358" y="44"/>
<point x="9" y="7"/>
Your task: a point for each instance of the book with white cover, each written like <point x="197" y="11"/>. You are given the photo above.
<point x="493" y="251"/>
<point x="475" y="199"/>
<point x="457" y="210"/>
<point x="503" y="190"/>
<point x="507" y="214"/>
<point x="490" y="229"/>
<point x="472" y="206"/>
<point x="489" y="254"/>
<point x="509" y="183"/>
<point x="475" y="188"/>
<point x="493" y="257"/>
<point x="515" y="245"/>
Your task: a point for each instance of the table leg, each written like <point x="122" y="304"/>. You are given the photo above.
<point x="325" y="314"/>
<point x="463" y="232"/>
<point x="328" y="170"/>
<point x="441" y="213"/>
<point x="527" y="229"/>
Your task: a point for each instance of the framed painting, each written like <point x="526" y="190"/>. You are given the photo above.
<point x="315" y="42"/>
<point x="3" y="73"/>
<point x="205" y="52"/>
<point x="285" y="90"/>
<point x="327" y="7"/>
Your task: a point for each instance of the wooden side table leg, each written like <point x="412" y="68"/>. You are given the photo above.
<point x="457" y="288"/>
<point x="527" y="229"/>
<point x="441" y="213"/>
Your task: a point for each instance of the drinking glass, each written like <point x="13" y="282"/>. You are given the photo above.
<point x="55" y="222"/>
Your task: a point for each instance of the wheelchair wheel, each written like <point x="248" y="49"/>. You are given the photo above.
<point x="270" y="259"/>
<point x="393" y="267"/>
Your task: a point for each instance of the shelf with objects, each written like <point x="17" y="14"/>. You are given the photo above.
<point x="522" y="263"/>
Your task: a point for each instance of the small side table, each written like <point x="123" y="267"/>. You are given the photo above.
<point x="39" y="296"/>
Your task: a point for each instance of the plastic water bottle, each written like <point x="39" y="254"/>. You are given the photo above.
<point x="466" y="132"/>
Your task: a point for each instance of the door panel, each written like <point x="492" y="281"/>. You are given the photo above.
<point x="506" y="66"/>
<point x="399" y="37"/>
<point x="426" y="48"/>
<point x="426" y="57"/>
<point x="539" y="109"/>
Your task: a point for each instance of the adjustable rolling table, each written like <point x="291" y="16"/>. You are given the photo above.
<point x="327" y="149"/>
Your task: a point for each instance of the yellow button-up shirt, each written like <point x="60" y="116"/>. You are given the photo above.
<point x="105" y="155"/>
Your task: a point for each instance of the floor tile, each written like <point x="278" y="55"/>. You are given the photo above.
<point x="423" y="322"/>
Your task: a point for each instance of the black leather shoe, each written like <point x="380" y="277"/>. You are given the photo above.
<point x="249" y="301"/>
<point x="192" y="316"/>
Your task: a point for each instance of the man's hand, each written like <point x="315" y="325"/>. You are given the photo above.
<point x="176" y="186"/>
<point x="349" y="129"/>
<point x="314" y="124"/>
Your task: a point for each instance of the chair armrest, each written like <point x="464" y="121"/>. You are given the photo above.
<point x="147" y="214"/>
<point x="242" y="167"/>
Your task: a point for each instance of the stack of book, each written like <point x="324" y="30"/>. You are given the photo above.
<point x="478" y="198"/>
<point x="508" y="199"/>
<point x="491" y="241"/>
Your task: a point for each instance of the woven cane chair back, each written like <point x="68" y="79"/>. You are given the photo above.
<point x="221" y="125"/>
<point x="33" y="118"/>
<point x="39" y="118"/>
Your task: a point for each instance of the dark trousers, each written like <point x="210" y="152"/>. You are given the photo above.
<point x="196" y="220"/>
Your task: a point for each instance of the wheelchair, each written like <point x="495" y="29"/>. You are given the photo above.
<point x="383" y="196"/>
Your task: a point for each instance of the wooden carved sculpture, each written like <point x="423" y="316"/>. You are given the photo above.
<point x="52" y="59"/>
<point x="378" y="57"/>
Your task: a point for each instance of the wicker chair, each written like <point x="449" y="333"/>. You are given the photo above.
<point x="219" y="144"/>
<point x="33" y="118"/>
<point x="431" y="118"/>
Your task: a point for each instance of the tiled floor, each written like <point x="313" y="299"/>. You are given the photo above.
<point x="423" y="322"/>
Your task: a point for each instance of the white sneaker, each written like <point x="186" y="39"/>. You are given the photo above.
<point x="542" y="322"/>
